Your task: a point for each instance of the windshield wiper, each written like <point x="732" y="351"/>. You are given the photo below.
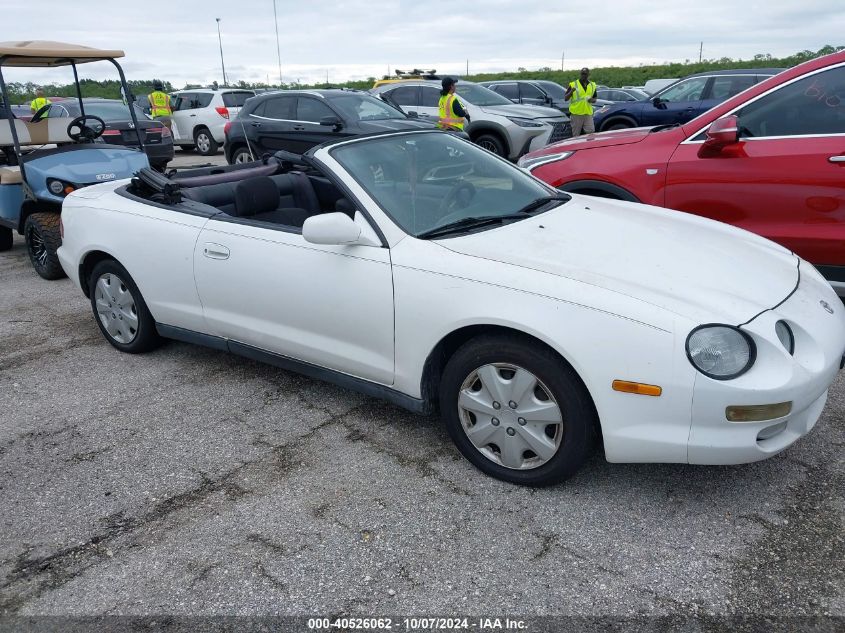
<point x="468" y="223"/>
<point x="544" y="200"/>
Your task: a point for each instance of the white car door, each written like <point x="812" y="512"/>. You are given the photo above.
<point x="180" y="104"/>
<point x="265" y="286"/>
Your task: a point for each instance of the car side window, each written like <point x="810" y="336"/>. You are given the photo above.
<point x="203" y="100"/>
<point x="279" y="108"/>
<point x="58" y="111"/>
<point x="724" y="87"/>
<point x="508" y="91"/>
<point x="605" y="94"/>
<point x="812" y="105"/>
<point x="689" y="90"/>
<point x="405" y="95"/>
<point x="530" y="91"/>
<point x="182" y="101"/>
<point x="312" y="110"/>
<point x="429" y="97"/>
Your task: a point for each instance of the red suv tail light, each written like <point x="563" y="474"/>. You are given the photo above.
<point x="226" y="128"/>
<point x="165" y="131"/>
<point x="222" y="111"/>
<point x="111" y="132"/>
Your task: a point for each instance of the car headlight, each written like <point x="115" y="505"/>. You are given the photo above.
<point x="785" y="336"/>
<point x="524" y="122"/>
<point x="60" y="187"/>
<point x="721" y="352"/>
<point x="536" y="161"/>
<point x="602" y="109"/>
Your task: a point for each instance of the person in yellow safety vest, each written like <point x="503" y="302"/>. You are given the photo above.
<point x="581" y="95"/>
<point x="39" y="102"/>
<point x="160" y="108"/>
<point x="451" y="111"/>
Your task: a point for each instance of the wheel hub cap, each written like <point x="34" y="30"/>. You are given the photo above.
<point x="523" y="434"/>
<point x="116" y="308"/>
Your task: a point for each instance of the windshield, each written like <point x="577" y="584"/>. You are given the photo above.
<point x="555" y="91"/>
<point x="359" y="107"/>
<point x="480" y="96"/>
<point x="427" y="180"/>
<point x="106" y="111"/>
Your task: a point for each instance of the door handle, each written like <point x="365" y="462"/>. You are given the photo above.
<point x="299" y="127"/>
<point x="215" y="251"/>
<point x="254" y="124"/>
<point x="836" y="159"/>
<point x="192" y="115"/>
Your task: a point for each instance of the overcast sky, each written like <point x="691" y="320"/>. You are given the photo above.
<point x="356" y="39"/>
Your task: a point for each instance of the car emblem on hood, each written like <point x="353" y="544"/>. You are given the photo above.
<point x="826" y="306"/>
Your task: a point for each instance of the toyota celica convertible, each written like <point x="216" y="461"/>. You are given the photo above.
<point x="420" y="268"/>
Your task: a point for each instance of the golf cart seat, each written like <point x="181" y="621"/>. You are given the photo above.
<point x="46" y="131"/>
<point x="10" y="175"/>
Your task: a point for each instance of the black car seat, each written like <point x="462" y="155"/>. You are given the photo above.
<point x="258" y="199"/>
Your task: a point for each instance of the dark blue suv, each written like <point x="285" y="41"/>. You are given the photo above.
<point x="681" y="101"/>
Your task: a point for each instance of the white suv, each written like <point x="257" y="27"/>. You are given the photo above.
<point x="200" y="114"/>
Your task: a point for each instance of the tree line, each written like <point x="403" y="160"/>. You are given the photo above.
<point x="613" y="76"/>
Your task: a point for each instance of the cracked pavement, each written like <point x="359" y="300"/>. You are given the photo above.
<point x="188" y="481"/>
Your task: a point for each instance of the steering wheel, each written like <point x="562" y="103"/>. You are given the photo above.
<point x="86" y="133"/>
<point x="40" y="113"/>
<point x="459" y="197"/>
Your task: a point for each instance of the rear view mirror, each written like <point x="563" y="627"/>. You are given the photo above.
<point x="721" y="133"/>
<point x="330" y="228"/>
<point x="332" y="121"/>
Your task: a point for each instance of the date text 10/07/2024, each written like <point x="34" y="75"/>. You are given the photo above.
<point x="417" y="624"/>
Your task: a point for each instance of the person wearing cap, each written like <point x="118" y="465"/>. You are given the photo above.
<point x="39" y="102"/>
<point x="581" y="95"/>
<point x="452" y="113"/>
<point x="160" y="109"/>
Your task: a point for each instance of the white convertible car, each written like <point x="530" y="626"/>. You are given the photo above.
<point x="422" y="269"/>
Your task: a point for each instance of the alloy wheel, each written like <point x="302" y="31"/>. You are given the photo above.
<point x="37" y="247"/>
<point x="242" y="157"/>
<point x="510" y="416"/>
<point x="116" y="308"/>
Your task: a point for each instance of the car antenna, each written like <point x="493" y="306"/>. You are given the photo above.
<point x="246" y="138"/>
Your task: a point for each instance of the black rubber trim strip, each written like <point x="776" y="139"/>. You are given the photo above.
<point x="832" y="273"/>
<point x="576" y="186"/>
<point x="415" y="405"/>
<point x="785" y="299"/>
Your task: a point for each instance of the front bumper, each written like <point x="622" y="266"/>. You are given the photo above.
<point x="802" y="379"/>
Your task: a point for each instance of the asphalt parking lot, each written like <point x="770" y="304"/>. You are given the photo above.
<point x="188" y="481"/>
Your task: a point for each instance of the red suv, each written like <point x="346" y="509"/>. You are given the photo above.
<point x="770" y="160"/>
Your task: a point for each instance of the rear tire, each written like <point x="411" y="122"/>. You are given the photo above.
<point x="120" y="310"/>
<point x="539" y="425"/>
<point x="43" y="239"/>
<point x="205" y="143"/>
<point x="6" y="238"/>
<point x="241" y="155"/>
<point x="491" y="143"/>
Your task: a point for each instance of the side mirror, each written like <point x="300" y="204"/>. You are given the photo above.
<point x="549" y="100"/>
<point x="332" y="121"/>
<point x="657" y="102"/>
<point x="721" y="133"/>
<point x="331" y="228"/>
<point x="413" y="114"/>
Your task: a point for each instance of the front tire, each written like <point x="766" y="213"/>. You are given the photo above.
<point x="120" y="310"/>
<point x="43" y="238"/>
<point x="6" y="238"/>
<point x="517" y="411"/>
<point x="204" y="142"/>
<point x="492" y="143"/>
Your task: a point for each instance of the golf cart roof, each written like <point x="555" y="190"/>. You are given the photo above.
<point x="34" y="53"/>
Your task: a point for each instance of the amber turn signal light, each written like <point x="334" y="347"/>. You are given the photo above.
<point x="637" y="387"/>
<point x="758" y="412"/>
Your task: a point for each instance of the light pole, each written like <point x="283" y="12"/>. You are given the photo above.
<point x="278" y="50"/>
<point x="220" y="41"/>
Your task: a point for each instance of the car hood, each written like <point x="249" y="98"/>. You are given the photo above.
<point x="383" y="125"/>
<point x="523" y="111"/>
<point x="697" y="268"/>
<point x="592" y="141"/>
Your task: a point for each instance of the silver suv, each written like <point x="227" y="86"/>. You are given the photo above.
<point x="498" y="125"/>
